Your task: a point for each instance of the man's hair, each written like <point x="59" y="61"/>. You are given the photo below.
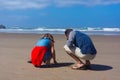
<point x="67" y="31"/>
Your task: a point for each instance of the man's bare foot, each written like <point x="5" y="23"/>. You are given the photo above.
<point x="79" y="66"/>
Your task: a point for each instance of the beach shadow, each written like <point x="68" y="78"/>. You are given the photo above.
<point x="94" y="67"/>
<point x="99" y="67"/>
<point x="56" y="65"/>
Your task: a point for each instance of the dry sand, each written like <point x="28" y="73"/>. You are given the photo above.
<point x="15" y="50"/>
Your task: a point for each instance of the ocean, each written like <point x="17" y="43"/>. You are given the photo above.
<point x="60" y="30"/>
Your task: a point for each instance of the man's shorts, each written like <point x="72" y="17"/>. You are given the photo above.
<point x="77" y="52"/>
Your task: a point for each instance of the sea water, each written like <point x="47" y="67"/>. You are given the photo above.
<point x="60" y="30"/>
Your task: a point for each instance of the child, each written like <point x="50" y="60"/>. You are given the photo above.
<point x="43" y="51"/>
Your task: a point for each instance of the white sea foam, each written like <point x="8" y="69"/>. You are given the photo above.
<point x="111" y="29"/>
<point x="39" y="30"/>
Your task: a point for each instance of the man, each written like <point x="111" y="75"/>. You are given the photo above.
<point x="79" y="46"/>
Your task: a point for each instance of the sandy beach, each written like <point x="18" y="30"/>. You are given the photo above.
<point x="15" y="50"/>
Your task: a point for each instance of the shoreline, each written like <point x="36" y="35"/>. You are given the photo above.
<point x="16" y="49"/>
<point x="61" y="31"/>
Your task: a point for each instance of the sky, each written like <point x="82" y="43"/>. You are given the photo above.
<point x="60" y="13"/>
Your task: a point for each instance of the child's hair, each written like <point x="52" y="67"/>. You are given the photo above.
<point x="48" y="35"/>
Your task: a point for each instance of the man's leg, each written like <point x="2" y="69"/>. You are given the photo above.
<point x="72" y="52"/>
<point x="79" y="62"/>
<point x="87" y="62"/>
<point x="75" y="58"/>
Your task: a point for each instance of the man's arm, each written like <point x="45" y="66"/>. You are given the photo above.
<point x="70" y="41"/>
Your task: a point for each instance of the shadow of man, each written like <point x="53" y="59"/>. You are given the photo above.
<point x="99" y="67"/>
